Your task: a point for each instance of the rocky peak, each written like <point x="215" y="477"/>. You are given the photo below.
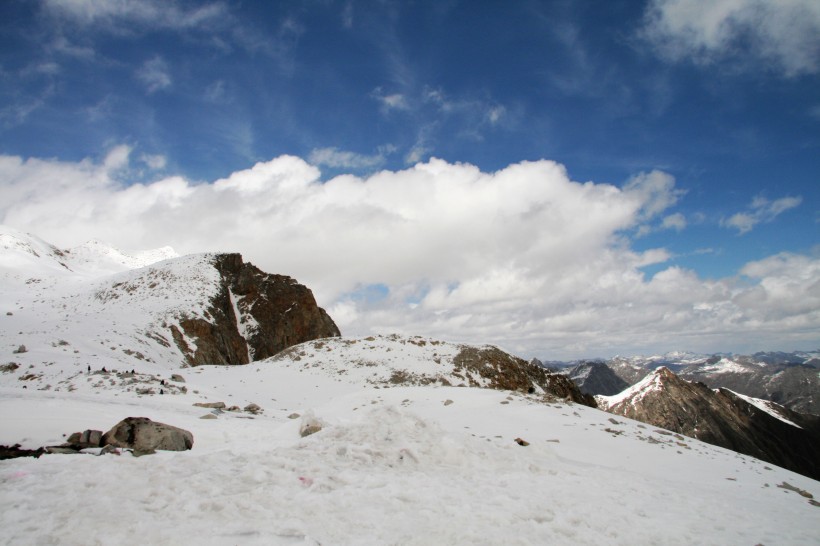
<point x="595" y="377"/>
<point x="253" y="316"/>
<point x="720" y="417"/>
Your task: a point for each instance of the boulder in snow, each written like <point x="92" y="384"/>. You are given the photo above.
<point x="144" y="435"/>
<point x="85" y="439"/>
<point x="212" y="405"/>
<point x="253" y="408"/>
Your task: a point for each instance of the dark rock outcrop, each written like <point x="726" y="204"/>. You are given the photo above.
<point x="507" y="372"/>
<point x="254" y="315"/>
<point x="723" y="418"/>
<point x="13" y="452"/>
<point x="145" y="436"/>
<point x="596" y="378"/>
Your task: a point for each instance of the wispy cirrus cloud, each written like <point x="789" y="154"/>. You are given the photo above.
<point x="761" y="210"/>
<point x="154" y="74"/>
<point x="119" y="15"/>
<point x="336" y="158"/>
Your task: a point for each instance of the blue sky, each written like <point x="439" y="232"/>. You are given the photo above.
<point x="715" y="105"/>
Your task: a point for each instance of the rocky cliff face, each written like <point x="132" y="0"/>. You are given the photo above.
<point x="596" y="378"/>
<point x="721" y="417"/>
<point x="253" y="316"/>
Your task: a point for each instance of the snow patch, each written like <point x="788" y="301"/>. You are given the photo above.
<point x="765" y="405"/>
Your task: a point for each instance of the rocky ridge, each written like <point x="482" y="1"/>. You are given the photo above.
<point x="721" y="417"/>
<point x="394" y="360"/>
<point x="595" y="377"/>
<point x="790" y="379"/>
<point x="253" y="316"/>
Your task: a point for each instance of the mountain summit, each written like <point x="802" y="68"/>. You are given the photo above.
<point x="759" y="428"/>
<point x="119" y="309"/>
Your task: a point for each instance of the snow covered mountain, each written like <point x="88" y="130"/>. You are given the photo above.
<point x="724" y="418"/>
<point x="409" y="451"/>
<point x="789" y="379"/>
<point x="111" y="309"/>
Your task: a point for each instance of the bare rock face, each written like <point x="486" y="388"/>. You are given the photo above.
<point x="254" y="316"/>
<point x="507" y="372"/>
<point x="596" y="378"/>
<point x="145" y="436"/>
<point x="723" y="418"/>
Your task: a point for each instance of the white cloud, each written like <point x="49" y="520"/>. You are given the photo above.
<point x="675" y="221"/>
<point x="761" y="210"/>
<point x="117" y="158"/>
<point x="119" y="14"/>
<point x="154" y="162"/>
<point x="335" y="158"/>
<point x="389" y="102"/>
<point x="154" y="74"/>
<point x="783" y="33"/>
<point x="523" y="257"/>
<point x="417" y="153"/>
<point x="495" y="114"/>
<point x="655" y="190"/>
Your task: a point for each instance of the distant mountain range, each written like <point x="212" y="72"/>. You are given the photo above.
<point x="789" y="379"/>
<point x="721" y="417"/>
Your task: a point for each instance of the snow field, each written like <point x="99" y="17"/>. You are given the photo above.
<point x="397" y="466"/>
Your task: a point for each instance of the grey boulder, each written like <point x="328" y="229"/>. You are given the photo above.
<point x="144" y="436"/>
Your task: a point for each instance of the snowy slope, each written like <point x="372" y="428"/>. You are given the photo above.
<point x="395" y="466"/>
<point x="398" y="465"/>
<point x="402" y="458"/>
<point x="95" y="305"/>
<point x="771" y="408"/>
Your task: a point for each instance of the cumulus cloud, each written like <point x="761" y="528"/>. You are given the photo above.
<point x="761" y="210"/>
<point x="784" y="33"/>
<point x="788" y="288"/>
<point x="523" y="257"/>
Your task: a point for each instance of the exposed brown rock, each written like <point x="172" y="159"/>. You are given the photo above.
<point x="275" y="312"/>
<point x="507" y="372"/>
